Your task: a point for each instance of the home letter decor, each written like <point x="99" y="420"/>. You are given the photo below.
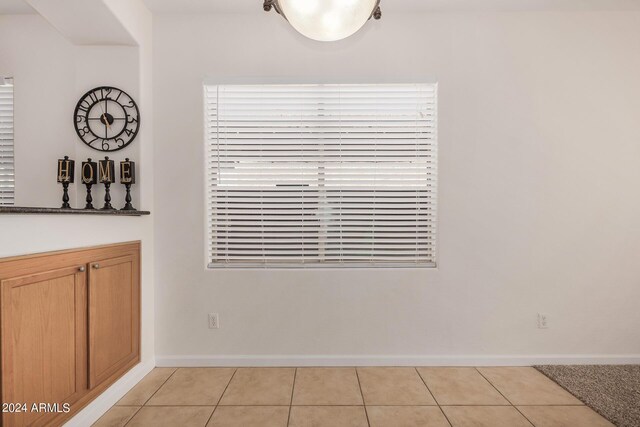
<point x="106" y="172"/>
<point x="66" y="173"/>
<point x="89" y="178"/>
<point x="128" y="177"/>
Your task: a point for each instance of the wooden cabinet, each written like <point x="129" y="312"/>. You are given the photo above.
<point x="114" y="299"/>
<point x="69" y="327"/>
<point x="44" y="344"/>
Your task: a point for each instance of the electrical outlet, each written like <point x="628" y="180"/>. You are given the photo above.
<point x="214" y="321"/>
<point x="543" y="321"/>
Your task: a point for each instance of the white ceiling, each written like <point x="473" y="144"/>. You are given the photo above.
<point x="255" y="6"/>
<point x="388" y="6"/>
<point x="98" y="26"/>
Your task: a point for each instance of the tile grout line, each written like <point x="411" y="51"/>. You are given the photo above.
<point x="505" y="397"/>
<point x="433" y="396"/>
<point x="161" y="385"/>
<point x="178" y="405"/>
<point x="129" y="420"/>
<point x="343" y="405"/>
<point x="445" y="415"/>
<point x="366" y="412"/>
<point x="293" y="388"/>
<point x="492" y="385"/>
<point x="425" y="384"/>
<point x="146" y="401"/>
<point x="220" y="398"/>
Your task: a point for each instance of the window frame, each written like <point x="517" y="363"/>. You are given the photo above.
<point x="212" y="265"/>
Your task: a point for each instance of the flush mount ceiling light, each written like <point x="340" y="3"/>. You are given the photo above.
<point x="326" y="20"/>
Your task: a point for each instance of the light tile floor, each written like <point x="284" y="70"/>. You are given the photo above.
<point x="349" y="397"/>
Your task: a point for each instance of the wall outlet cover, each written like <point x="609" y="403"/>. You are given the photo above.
<point x="214" y="322"/>
<point x="543" y="321"/>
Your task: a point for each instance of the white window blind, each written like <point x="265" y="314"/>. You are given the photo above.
<point x="6" y="142"/>
<point x="321" y="175"/>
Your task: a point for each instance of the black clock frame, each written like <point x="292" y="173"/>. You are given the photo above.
<point x="92" y="103"/>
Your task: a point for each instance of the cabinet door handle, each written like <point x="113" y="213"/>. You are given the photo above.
<point x="96" y="266"/>
<point x="81" y="269"/>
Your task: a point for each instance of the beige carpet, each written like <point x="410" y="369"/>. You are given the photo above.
<point x="612" y="391"/>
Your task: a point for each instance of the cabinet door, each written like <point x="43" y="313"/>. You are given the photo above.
<point x="114" y="316"/>
<point x="44" y="345"/>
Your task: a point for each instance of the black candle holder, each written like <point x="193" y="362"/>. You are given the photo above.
<point x="66" y="174"/>
<point x="89" y="199"/>
<point x="89" y="178"/>
<point x="127" y="198"/>
<point x="106" y="175"/>
<point x="128" y="177"/>
<point x="107" y="198"/>
<point x="65" y="195"/>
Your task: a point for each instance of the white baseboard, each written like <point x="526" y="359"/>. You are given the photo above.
<point x="94" y="410"/>
<point x="493" y="360"/>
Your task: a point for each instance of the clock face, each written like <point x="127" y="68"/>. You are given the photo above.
<point x="106" y="119"/>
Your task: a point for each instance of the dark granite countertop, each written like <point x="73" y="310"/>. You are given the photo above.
<point x="18" y="210"/>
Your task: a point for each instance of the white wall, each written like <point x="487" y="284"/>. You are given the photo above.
<point x="42" y="63"/>
<point x="50" y="76"/>
<point x="539" y="206"/>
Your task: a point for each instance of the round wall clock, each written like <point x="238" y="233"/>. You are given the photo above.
<point x="106" y="119"/>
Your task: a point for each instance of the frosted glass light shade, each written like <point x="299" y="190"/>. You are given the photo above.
<point x="327" y="20"/>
